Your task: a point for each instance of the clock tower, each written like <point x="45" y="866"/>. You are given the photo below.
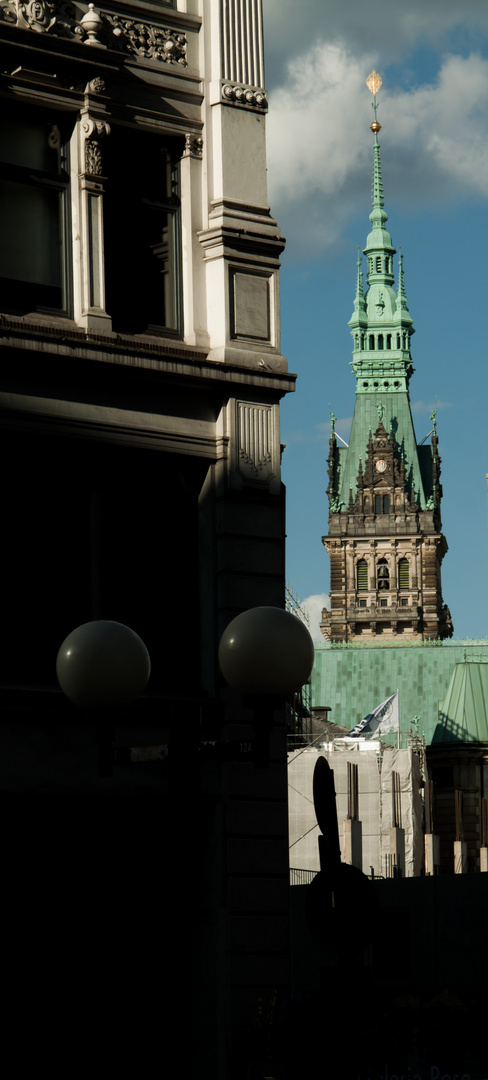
<point x="385" y="539"/>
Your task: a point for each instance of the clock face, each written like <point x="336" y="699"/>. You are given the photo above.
<point x="380" y="465"/>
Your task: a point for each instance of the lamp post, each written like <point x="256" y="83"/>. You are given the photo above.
<point x="265" y="654"/>
<point x="100" y="666"/>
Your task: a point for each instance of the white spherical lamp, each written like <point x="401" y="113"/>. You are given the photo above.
<point x="266" y="650"/>
<point x="103" y="664"/>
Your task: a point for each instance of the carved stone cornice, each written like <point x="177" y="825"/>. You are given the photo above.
<point x="244" y="96"/>
<point x="90" y="26"/>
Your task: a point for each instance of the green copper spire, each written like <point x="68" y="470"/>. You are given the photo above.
<point x="379" y="247"/>
<point x="381" y="325"/>
<point x="381" y="328"/>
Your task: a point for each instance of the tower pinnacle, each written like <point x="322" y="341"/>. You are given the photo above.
<point x="385" y="541"/>
<point x="374" y="83"/>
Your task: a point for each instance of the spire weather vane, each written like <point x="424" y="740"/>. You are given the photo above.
<point x="374" y="82"/>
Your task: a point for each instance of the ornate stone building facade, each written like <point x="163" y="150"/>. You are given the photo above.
<point x="141" y="376"/>
<point x="385" y="539"/>
<point x="140" y="261"/>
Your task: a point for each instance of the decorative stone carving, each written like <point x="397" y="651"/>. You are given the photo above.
<point x="96" y="86"/>
<point x="101" y="29"/>
<point x="193" y="146"/>
<point x="37" y="15"/>
<point x="146" y="40"/>
<point x="94" y="132"/>
<point x="43" y="16"/>
<point x="92" y="25"/>
<point x="8" y="11"/>
<point x="243" y="95"/>
<point x="255" y="440"/>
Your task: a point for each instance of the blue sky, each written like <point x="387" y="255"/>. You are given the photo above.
<point x="433" y="59"/>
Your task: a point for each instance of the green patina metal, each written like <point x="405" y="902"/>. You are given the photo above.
<point x="381" y="328"/>
<point x="463" y="717"/>
<point x="353" y="679"/>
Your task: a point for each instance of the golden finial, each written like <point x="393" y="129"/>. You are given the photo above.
<point x="373" y="82"/>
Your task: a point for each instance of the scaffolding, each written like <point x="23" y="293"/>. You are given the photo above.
<point x="299" y="710"/>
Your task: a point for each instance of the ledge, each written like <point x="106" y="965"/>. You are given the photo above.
<point x="63" y="338"/>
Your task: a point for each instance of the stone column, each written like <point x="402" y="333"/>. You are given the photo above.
<point x="432" y="854"/>
<point x="93" y="128"/>
<point x="240" y="240"/>
<point x="460" y="857"/>
<point x="352" y="833"/>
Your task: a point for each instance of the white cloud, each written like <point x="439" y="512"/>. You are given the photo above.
<point x="434" y="142"/>
<point x="389" y="30"/>
<point x="313" y="606"/>
<point x="426" y="407"/>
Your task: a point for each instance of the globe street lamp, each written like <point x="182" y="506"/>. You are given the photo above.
<point x="265" y="654"/>
<point x="100" y="666"/>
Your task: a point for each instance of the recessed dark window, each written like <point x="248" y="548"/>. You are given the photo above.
<point x="382" y="504"/>
<point x="142" y="269"/>
<point x="34" y="209"/>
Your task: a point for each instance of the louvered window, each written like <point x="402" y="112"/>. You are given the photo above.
<point x="403" y="574"/>
<point x="362" y="575"/>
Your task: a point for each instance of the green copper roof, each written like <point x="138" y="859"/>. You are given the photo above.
<point x="463" y="716"/>
<point x="397" y="417"/>
<point x="352" y="679"/>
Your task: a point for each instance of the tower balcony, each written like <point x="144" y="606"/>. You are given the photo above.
<point x="365" y="610"/>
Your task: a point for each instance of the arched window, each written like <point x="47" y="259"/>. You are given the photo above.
<point x="383" y="575"/>
<point x="388" y="341"/>
<point x="403" y="574"/>
<point x="371" y="341"/>
<point x="362" y="575"/>
<point x="378" y="264"/>
<point x="380" y="341"/>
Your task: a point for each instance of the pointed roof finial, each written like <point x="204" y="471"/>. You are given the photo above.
<point x="374" y="82"/>
<point x="401" y="284"/>
<point x="359" y="280"/>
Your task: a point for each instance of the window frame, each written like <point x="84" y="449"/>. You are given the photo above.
<point x="362" y="583"/>
<point x="42" y="180"/>
<point x="382" y="580"/>
<point x="403" y="565"/>
<point x="169" y="204"/>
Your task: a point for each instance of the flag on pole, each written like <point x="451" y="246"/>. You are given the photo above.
<point x="385" y="718"/>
